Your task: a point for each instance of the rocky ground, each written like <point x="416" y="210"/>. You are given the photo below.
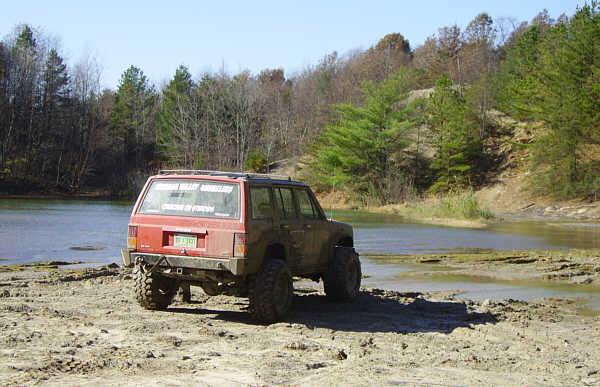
<point x="83" y="327"/>
<point x="580" y="211"/>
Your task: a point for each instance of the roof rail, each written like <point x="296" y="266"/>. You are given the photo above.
<point x="247" y="175"/>
<point x="270" y="176"/>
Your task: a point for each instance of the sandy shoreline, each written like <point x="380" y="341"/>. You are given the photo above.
<point x="83" y="327"/>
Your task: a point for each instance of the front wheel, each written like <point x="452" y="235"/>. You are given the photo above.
<point x="271" y="292"/>
<point x="342" y="281"/>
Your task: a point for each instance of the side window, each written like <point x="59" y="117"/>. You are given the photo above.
<point x="307" y="208"/>
<point x="262" y="207"/>
<point x="286" y="202"/>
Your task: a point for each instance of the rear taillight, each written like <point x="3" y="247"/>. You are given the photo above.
<point x="132" y="237"/>
<point x="239" y="244"/>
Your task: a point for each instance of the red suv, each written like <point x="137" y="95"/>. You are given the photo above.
<point x="237" y="234"/>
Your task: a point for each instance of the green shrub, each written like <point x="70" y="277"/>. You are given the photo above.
<point x="462" y="205"/>
<point x="256" y="162"/>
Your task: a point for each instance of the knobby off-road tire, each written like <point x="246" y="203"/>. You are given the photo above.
<point x="271" y="292"/>
<point x="342" y="281"/>
<point x="153" y="291"/>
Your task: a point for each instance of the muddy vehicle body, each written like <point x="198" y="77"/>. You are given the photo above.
<point x="237" y="234"/>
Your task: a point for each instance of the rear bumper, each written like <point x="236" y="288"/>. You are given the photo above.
<point x="236" y="266"/>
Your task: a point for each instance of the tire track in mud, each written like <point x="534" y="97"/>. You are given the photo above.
<point x="69" y="327"/>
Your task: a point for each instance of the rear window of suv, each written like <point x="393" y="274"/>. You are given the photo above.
<point x="199" y="198"/>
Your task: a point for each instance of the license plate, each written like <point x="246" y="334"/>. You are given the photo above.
<point x="189" y="241"/>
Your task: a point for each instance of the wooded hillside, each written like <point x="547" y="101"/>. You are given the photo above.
<point x="349" y="114"/>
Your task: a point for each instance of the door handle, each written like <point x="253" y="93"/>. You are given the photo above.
<point x="308" y="226"/>
<point x="284" y="227"/>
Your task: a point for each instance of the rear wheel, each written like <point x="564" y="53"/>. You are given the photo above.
<point x="342" y="281"/>
<point x="271" y="292"/>
<point x="152" y="291"/>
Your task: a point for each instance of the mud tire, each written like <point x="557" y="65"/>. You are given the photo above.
<point x="342" y="281"/>
<point x="271" y="292"/>
<point x="152" y="291"/>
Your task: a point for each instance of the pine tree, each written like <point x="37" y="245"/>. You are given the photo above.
<point x="132" y="118"/>
<point x="364" y="148"/>
<point x="25" y="40"/>
<point x="54" y="120"/>
<point x="27" y="56"/>
<point x="173" y="96"/>
<point x="554" y="79"/>
<point x="518" y="75"/>
<point x="453" y="129"/>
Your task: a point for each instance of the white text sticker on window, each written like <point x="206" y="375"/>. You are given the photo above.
<point x="188" y="186"/>
<point x="172" y="207"/>
<point x="187" y="208"/>
<point x="177" y="186"/>
<point x="203" y="209"/>
<point x="167" y="186"/>
<point x="216" y="188"/>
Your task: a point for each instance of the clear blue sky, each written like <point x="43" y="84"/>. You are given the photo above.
<point x="157" y="36"/>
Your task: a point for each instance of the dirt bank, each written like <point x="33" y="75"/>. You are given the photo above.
<point x="418" y="211"/>
<point x="63" y="327"/>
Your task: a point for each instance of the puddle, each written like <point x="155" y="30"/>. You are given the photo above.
<point x="432" y="277"/>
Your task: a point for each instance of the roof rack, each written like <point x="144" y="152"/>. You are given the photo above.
<point x="234" y="175"/>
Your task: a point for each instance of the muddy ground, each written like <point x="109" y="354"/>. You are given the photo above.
<point x="83" y="327"/>
<point x="575" y="266"/>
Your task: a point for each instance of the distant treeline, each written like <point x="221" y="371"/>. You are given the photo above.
<point x="60" y="132"/>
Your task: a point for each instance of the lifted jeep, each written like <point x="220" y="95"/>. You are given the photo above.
<point x="236" y="234"/>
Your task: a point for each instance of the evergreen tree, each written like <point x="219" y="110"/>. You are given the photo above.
<point x="132" y="118"/>
<point x="518" y="75"/>
<point x="26" y="42"/>
<point x="27" y="57"/>
<point x="364" y="148"/>
<point x="54" y="126"/>
<point x="173" y="97"/>
<point x="453" y="128"/>
<point x="55" y="81"/>
<point x="557" y="83"/>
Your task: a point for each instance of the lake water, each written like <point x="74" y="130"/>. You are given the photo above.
<point x="387" y="235"/>
<point x="95" y="231"/>
<point x="42" y="230"/>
